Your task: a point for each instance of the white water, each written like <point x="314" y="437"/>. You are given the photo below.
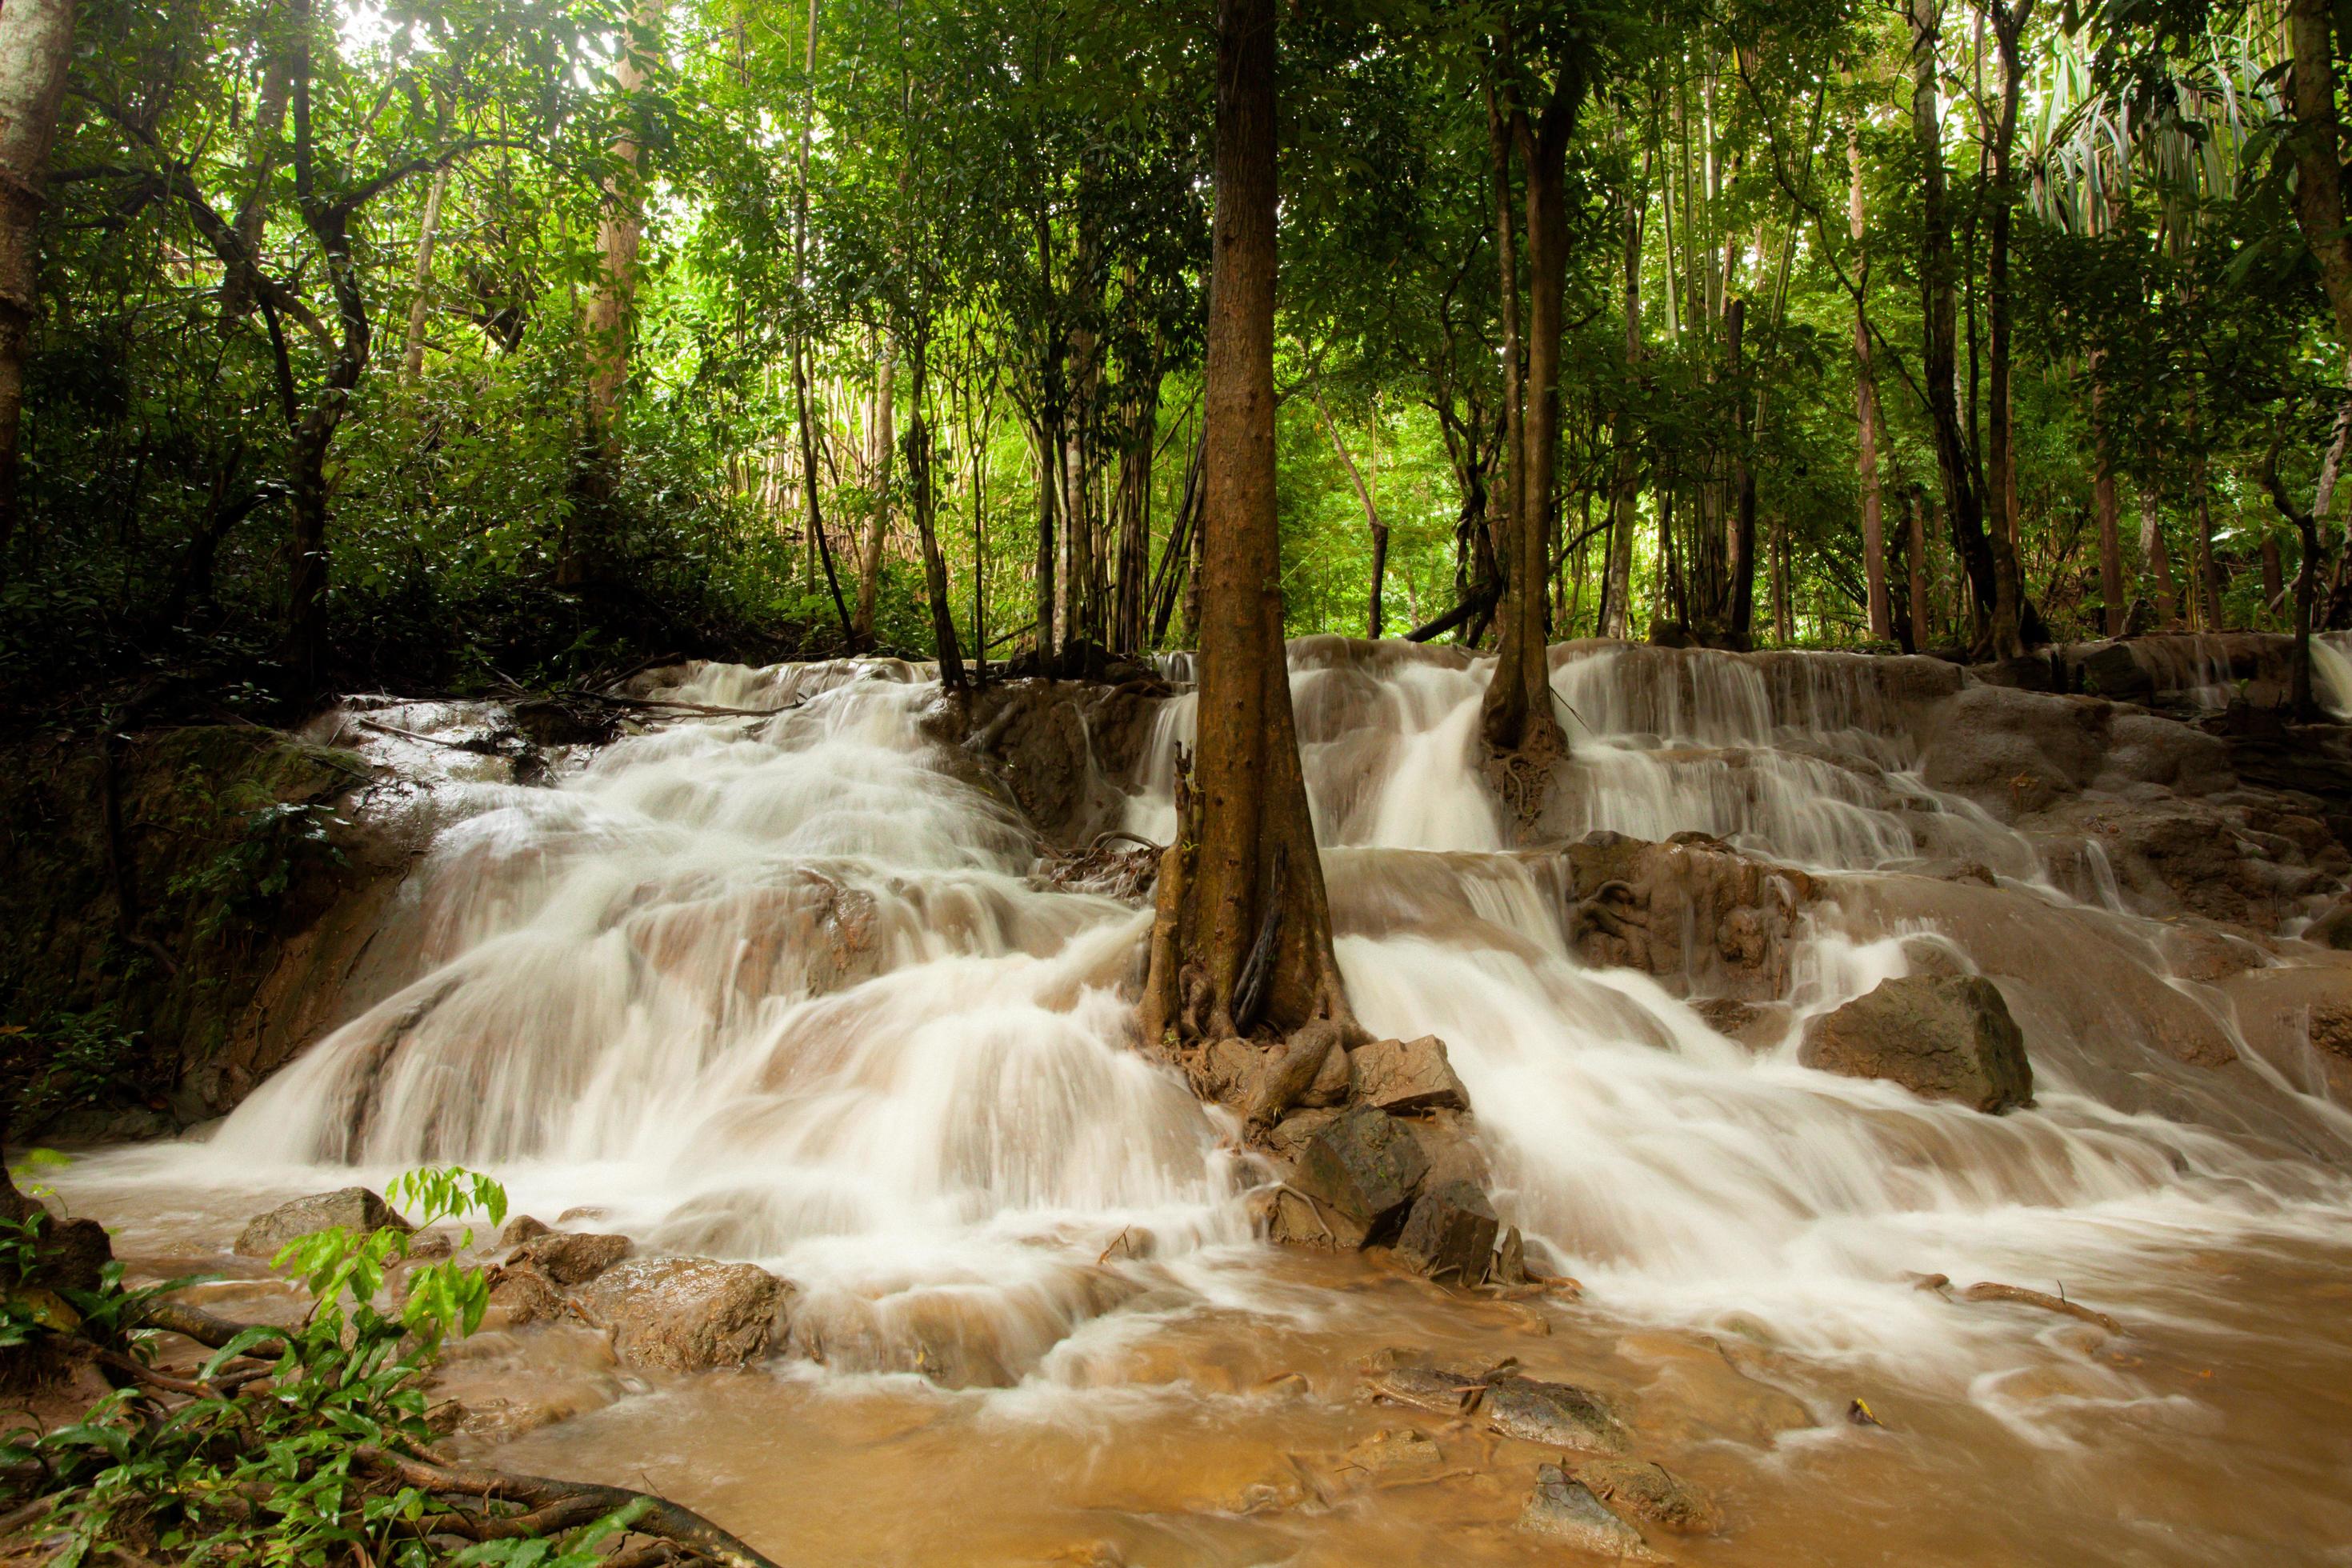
<point x="781" y="989"/>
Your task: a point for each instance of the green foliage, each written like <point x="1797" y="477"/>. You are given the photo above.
<point x="264" y="1464"/>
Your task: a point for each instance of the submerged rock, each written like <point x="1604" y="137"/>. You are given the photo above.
<point x="1408" y="1075"/>
<point x="685" y="1314"/>
<point x="1556" y="1415"/>
<point x="353" y="1208"/>
<point x="1942" y="1038"/>
<point x="1565" y="1510"/>
<point x="1651" y="1492"/>
<point x="522" y="1295"/>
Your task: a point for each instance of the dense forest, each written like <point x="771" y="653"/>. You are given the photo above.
<point x="433" y="345"/>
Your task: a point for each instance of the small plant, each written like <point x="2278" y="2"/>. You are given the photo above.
<point x="81" y="1058"/>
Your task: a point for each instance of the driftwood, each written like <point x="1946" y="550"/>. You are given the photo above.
<point x="1990" y="1291"/>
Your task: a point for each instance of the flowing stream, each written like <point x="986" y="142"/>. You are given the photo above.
<point x="785" y="989"/>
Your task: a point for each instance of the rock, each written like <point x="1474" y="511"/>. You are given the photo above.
<point x="1389" y="1451"/>
<point x="572" y="1257"/>
<point x="1408" y="1075"/>
<point x="1566" y="1511"/>
<point x="1293" y="1220"/>
<point x="1511" y="1259"/>
<point x="1692" y="912"/>
<point x="1419" y="1386"/>
<point x="1651" y="1492"/>
<point x="353" y="1208"/>
<point x="1940" y="1039"/>
<point x="427" y="1245"/>
<point x="1364" y="1163"/>
<point x="1335" y="1080"/>
<point x="1450" y="1229"/>
<point x="685" y="1314"/>
<point x="582" y="1213"/>
<point x="521" y="1228"/>
<point x="2333" y="927"/>
<point x="523" y="1295"/>
<point x="1556" y="1415"/>
<point x="2112" y="672"/>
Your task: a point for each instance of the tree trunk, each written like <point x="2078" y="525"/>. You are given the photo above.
<point x="2008" y="596"/>
<point x="2109" y="511"/>
<point x="36" y="48"/>
<point x="1939" y="359"/>
<point x="1378" y="531"/>
<point x="420" y="300"/>
<point x="926" y="501"/>
<point x="2209" y="570"/>
<point x="1253" y="880"/>
<point x="1523" y="736"/>
<point x="1045" y="436"/>
<point x="1617" y="575"/>
<point x="1739" y="555"/>
<point x="612" y="309"/>
<point x="1502" y="500"/>
<point x="2318" y="152"/>
<point x="1865" y="407"/>
<point x="879" y="445"/>
<point x="2157" y="563"/>
<point x="1923" y="629"/>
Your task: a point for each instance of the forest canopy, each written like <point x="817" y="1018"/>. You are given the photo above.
<point x="479" y="341"/>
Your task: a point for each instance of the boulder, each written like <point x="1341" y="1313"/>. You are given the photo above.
<point x="1291" y="1076"/>
<point x="1402" y="1076"/>
<point x="1284" y="1217"/>
<point x="521" y="1294"/>
<point x="1941" y="1037"/>
<point x="353" y="1208"/>
<point x="521" y="1228"/>
<point x="572" y="1257"/>
<point x="1450" y="1229"/>
<point x="1364" y="1163"/>
<point x="1565" y="1510"/>
<point x="685" y="1314"/>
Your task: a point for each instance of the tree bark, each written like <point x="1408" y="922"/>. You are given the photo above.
<point x="880" y="444"/>
<point x="1523" y="736"/>
<point x="1251" y="876"/>
<point x="2157" y="563"/>
<point x="1377" y="530"/>
<point x="2319" y="151"/>
<point x="36" y="48"/>
<point x="2008" y="597"/>
<point x="1617" y="575"/>
<point x="1865" y="406"/>
<point x="420" y="300"/>
<point x="919" y="480"/>
<point x="2109" y="509"/>
<point x="1939" y="359"/>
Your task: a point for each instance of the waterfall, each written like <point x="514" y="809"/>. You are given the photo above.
<point x="783" y="988"/>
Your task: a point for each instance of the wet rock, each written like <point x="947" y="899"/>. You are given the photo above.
<point x="2332" y="929"/>
<point x="521" y="1295"/>
<point x="572" y="1257"/>
<point x="521" y="1228"/>
<point x="1403" y="1076"/>
<point x="2111" y="671"/>
<point x="1759" y="1025"/>
<point x="353" y="1208"/>
<point x="1701" y="1393"/>
<point x="1565" y="1510"/>
<point x="1511" y="1259"/>
<point x="1449" y="1230"/>
<point x="582" y="1213"/>
<point x="1694" y="914"/>
<point x="1556" y="1415"/>
<point x="1940" y="1039"/>
<point x="1651" y="1491"/>
<point x="1418" y="1386"/>
<point x="684" y="1314"/>
<point x="427" y="1245"/>
<point x="1293" y="1219"/>
<point x="1364" y="1163"/>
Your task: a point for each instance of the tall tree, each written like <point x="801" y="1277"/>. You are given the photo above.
<point x="1242" y="933"/>
<point x="1865" y="410"/>
<point x="35" y="46"/>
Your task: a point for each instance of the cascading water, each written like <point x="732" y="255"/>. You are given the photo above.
<point x="783" y="988"/>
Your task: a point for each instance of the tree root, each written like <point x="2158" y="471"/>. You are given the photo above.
<point x="1990" y="1291"/>
<point x="564" y="1504"/>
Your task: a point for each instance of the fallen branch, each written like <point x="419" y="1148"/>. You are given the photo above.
<point x="553" y="1499"/>
<point x="206" y="1328"/>
<point x="1990" y="1291"/>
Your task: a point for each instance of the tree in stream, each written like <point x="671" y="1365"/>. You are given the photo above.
<point x="1242" y="936"/>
